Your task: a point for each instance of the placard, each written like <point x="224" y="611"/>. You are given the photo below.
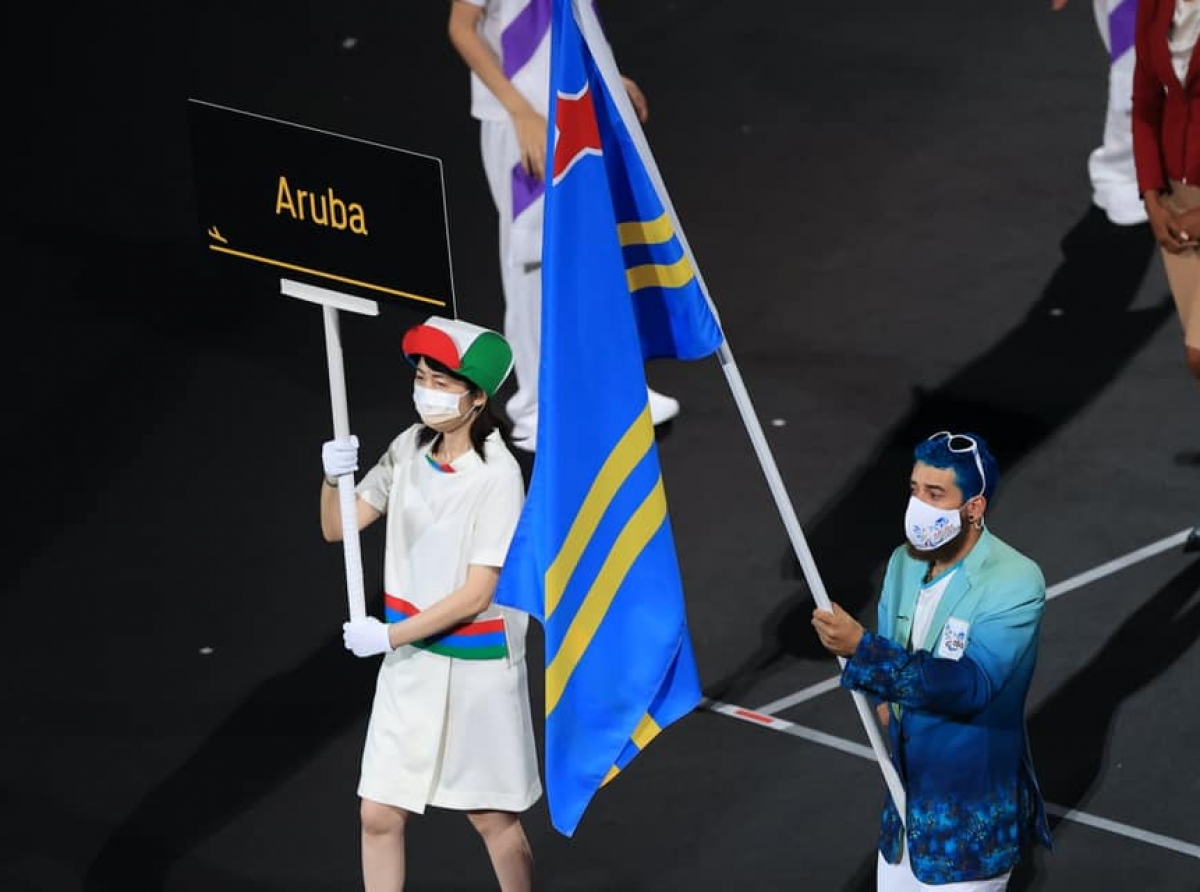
<point x="344" y="213"/>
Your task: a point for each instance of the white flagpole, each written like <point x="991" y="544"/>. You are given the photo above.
<point x="331" y="302"/>
<point x="593" y="35"/>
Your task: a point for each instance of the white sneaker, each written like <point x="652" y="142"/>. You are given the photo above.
<point x="662" y="407"/>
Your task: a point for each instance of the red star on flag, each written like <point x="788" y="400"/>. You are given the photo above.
<point x="576" y="132"/>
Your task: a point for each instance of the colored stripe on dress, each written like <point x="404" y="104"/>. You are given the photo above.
<point x="480" y="640"/>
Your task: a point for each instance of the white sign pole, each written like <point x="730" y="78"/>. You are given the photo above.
<point x="331" y="302"/>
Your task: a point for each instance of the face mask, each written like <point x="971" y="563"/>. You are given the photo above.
<point x="436" y="406"/>
<point x="928" y="527"/>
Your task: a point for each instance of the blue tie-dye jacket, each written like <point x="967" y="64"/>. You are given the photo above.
<point x="958" y="725"/>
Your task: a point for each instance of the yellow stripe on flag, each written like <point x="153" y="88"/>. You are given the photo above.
<point x="640" y="529"/>
<point x="645" y="232"/>
<point x="647" y="729"/>
<point x="629" y="451"/>
<point x="649" y="275"/>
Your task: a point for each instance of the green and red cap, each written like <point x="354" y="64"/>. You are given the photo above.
<point x="478" y="354"/>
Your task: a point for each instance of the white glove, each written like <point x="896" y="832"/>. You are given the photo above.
<point x="366" y="637"/>
<point x="340" y="456"/>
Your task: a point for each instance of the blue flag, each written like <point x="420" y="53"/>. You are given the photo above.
<point x="593" y="557"/>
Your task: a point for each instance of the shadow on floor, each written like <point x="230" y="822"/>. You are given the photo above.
<point x="1074" y="341"/>
<point x="1069" y="731"/>
<point x="270" y="736"/>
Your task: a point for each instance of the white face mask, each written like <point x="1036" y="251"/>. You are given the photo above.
<point x="928" y="527"/>
<point x="436" y="406"/>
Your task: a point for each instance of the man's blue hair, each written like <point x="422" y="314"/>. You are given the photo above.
<point x="937" y="454"/>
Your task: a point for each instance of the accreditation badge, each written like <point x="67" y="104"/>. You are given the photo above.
<point x="953" y="643"/>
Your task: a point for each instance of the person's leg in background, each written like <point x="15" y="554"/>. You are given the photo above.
<point x="1114" y="184"/>
<point x="1183" y="276"/>
<point x="1110" y="165"/>
<point x="520" y="269"/>
<point x="519" y="202"/>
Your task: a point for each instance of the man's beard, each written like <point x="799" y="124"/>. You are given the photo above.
<point x="943" y="552"/>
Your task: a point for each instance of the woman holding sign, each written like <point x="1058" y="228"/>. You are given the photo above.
<point x="450" y="725"/>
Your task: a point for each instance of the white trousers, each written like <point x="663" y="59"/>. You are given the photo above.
<point x="899" y="878"/>
<point x="1110" y="165"/>
<point x="520" y="272"/>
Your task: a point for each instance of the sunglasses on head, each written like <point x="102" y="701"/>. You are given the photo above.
<point x="964" y="443"/>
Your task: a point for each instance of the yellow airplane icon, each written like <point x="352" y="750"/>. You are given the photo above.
<point x="215" y="235"/>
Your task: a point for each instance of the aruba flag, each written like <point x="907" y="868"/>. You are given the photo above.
<point x="593" y="557"/>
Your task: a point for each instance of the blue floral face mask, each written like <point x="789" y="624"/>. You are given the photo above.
<point x="928" y="527"/>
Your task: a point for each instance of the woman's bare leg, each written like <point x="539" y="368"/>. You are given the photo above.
<point x="382" y="846"/>
<point x="507" y="846"/>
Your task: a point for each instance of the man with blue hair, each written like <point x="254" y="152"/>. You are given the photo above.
<point x="949" y="666"/>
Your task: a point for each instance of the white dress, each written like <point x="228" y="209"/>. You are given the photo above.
<point x="449" y="731"/>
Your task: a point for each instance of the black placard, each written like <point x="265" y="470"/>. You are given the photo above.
<point x="344" y="213"/>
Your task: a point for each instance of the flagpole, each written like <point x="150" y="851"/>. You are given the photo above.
<point x="593" y="35"/>
<point x="800" y="545"/>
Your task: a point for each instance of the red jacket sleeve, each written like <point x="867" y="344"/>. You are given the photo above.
<point x="1147" y="103"/>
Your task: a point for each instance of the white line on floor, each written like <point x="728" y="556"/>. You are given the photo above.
<point x="1154" y="839"/>
<point x="773" y="723"/>
<point x="808" y="693"/>
<point x="1117" y="564"/>
<point x="1061" y="588"/>
<point x="777" y="724"/>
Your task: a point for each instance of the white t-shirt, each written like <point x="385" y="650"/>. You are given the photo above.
<point x="927" y="604"/>
<point x="518" y="31"/>
<point x="439" y="523"/>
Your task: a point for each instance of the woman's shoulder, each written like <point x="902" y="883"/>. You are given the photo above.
<point x="499" y="459"/>
<point x="406" y="443"/>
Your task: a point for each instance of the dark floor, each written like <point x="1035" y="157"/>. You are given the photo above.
<point x="891" y="209"/>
